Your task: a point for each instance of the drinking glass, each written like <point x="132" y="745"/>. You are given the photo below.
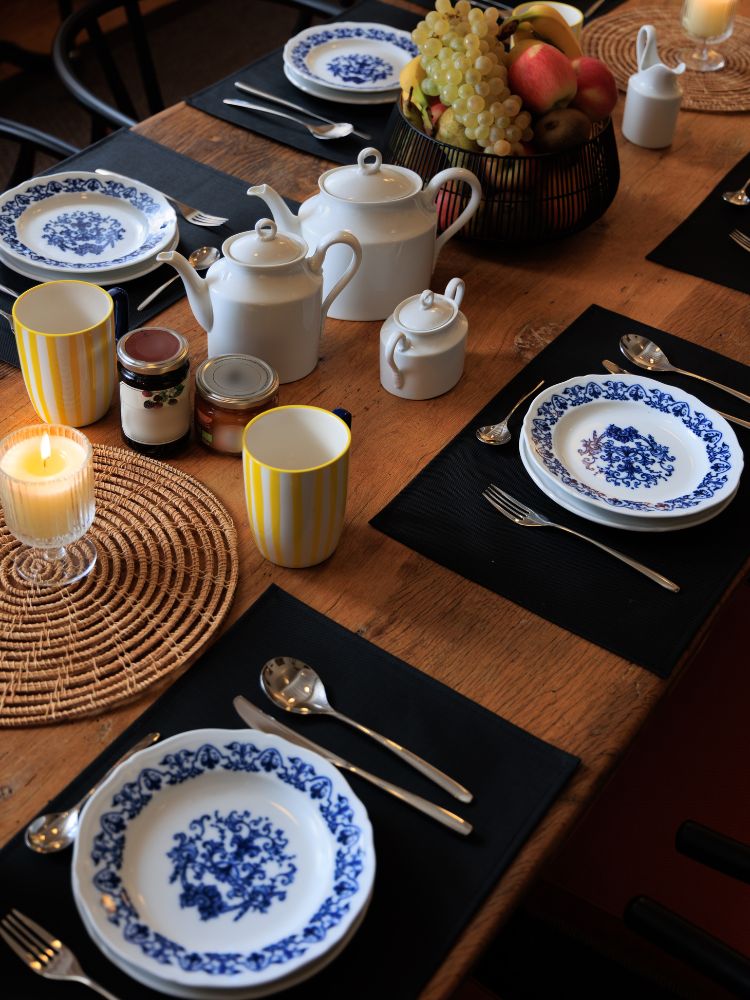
<point x="707" y="22"/>
<point x="47" y="495"/>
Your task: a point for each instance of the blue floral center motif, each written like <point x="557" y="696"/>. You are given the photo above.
<point x="83" y="232"/>
<point x="235" y="863"/>
<point x="359" y="68"/>
<point x="625" y="457"/>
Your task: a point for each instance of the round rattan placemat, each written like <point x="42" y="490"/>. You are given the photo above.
<point x="612" y="39"/>
<point x="164" y="579"/>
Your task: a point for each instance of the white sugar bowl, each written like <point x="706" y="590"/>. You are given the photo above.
<point x="423" y="344"/>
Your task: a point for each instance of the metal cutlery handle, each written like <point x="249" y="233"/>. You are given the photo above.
<point x="9" y="291"/>
<point x="267" y="111"/>
<point x="417" y="762"/>
<point x="146" y="741"/>
<point x="663" y="581"/>
<point x="290" y="104"/>
<point x="717" y="385"/>
<point x="150" y="298"/>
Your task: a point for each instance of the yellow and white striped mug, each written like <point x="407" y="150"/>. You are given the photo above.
<point x="296" y="470"/>
<point x="65" y="334"/>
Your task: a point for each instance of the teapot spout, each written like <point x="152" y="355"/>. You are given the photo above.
<point x="284" y="219"/>
<point x="195" y="286"/>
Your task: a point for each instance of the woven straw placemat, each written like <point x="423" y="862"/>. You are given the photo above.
<point x="164" y="579"/>
<point x="612" y="39"/>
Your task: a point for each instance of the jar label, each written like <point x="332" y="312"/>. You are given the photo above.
<point x="155" y="417"/>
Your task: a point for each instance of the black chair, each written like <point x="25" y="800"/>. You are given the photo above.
<point x="31" y="141"/>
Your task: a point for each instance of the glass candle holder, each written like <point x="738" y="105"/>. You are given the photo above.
<point x="47" y="494"/>
<point x="707" y="22"/>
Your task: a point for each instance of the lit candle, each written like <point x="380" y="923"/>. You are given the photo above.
<point x="47" y="485"/>
<point x="707" y="18"/>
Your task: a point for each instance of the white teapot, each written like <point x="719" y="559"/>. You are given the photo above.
<point x="423" y="344"/>
<point x="265" y="296"/>
<point x="394" y="220"/>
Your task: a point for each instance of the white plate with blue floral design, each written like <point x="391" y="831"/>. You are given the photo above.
<point x="223" y="860"/>
<point x="78" y="223"/>
<point x="339" y="96"/>
<point x="633" y="446"/>
<point x="350" y="56"/>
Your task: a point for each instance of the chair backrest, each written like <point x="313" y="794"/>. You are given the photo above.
<point x="31" y="141"/>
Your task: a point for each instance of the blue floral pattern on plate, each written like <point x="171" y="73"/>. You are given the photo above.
<point x="545" y="416"/>
<point x="83" y="232"/>
<point x="625" y="457"/>
<point x="359" y="68"/>
<point x="394" y="45"/>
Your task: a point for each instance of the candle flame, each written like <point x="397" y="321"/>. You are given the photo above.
<point x="45" y="449"/>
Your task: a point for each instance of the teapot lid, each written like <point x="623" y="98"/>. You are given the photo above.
<point x="425" y="313"/>
<point x="264" y="246"/>
<point x="370" y="182"/>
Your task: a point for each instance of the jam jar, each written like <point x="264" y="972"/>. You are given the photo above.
<point x="229" y="391"/>
<point x="155" y="411"/>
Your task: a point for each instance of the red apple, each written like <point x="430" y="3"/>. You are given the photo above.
<point x="597" y="89"/>
<point x="436" y="109"/>
<point x="543" y="77"/>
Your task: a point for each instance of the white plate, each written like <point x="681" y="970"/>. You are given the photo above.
<point x="79" y="222"/>
<point x="223" y="859"/>
<point x="113" y="277"/>
<point x="611" y="519"/>
<point x="338" y="96"/>
<point x="629" y="444"/>
<point x="351" y="56"/>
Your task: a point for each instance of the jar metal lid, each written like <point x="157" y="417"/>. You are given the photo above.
<point x="236" y="381"/>
<point x="152" y="350"/>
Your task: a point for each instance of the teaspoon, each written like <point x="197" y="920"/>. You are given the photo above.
<point x="295" y="687"/>
<point x="646" y="354"/>
<point x="200" y="259"/>
<point x="499" y="433"/>
<point x="337" y="130"/>
<point x="54" y="832"/>
<point x="740" y="197"/>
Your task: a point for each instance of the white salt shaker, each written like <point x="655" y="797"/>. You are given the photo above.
<point x="654" y="96"/>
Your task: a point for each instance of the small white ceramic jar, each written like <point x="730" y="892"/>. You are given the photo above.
<point x="423" y="344"/>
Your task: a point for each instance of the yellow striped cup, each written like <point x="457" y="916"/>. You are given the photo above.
<point x="296" y="469"/>
<point x="65" y="334"/>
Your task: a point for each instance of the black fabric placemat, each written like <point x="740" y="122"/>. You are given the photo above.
<point x="268" y="74"/>
<point x="442" y="515"/>
<point x="701" y="245"/>
<point x="195" y="183"/>
<point x="429" y="880"/>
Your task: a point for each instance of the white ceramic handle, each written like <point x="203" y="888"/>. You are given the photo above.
<point x="266" y="229"/>
<point x="390" y="349"/>
<point x="316" y="263"/>
<point x="432" y="189"/>
<point x="454" y="290"/>
<point x="370" y="168"/>
<point x="645" y="45"/>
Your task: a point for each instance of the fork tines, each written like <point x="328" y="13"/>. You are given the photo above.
<point x="28" y="940"/>
<point x="740" y="239"/>
<point x="513" y="509"/>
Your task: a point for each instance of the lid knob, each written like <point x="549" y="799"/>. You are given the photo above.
<point x="427" y="299"/>
<point x="369" y="168"/>
<point x="266" y="229"/>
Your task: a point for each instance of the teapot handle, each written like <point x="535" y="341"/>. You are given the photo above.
<point x="454" y="290"/>
<point x="316" y="259"/>
<point x="431" y="193"/>
<point x="390" y="348"/>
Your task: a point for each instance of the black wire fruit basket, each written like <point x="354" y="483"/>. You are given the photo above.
<point x="526" y="199"/>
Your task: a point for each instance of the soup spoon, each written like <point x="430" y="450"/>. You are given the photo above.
<point x="499" y="433"/>
<point x="295" y="687"/>
<point x="740" y="197"/>
<point x="337" y="130"/>
<point x="646" y="354"/>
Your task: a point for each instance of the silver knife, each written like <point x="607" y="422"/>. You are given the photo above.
<point x="614" y="369"/>
<point x="290" y="104"/>
<point x="257" y="719"/>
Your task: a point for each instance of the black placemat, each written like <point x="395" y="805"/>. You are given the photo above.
<point x="701" y="245"/>
<point x="268" y="74"/>
<point x="442" y="514"/>
<point x="429" y="880"/>
<point x="194" y="183"/>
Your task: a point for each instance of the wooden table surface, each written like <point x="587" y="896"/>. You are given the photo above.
<point x="539" y="676"/>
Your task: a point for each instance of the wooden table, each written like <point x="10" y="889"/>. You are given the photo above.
<point x="539" y="676"/>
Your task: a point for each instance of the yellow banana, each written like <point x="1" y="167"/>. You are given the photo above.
<point x="550" y="26"/>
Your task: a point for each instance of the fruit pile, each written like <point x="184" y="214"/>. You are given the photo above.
<point x="515" y="87"/>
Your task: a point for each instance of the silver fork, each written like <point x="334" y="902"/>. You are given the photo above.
<point x="190" y="214"/>
<point x="519" y="513"/>
<point x="740" y="239"/>
<point x="43" y="953"/>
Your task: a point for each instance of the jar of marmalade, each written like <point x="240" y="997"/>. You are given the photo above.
<point x="229" y="391"/>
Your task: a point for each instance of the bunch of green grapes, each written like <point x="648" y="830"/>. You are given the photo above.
<point x="465" y="66"/>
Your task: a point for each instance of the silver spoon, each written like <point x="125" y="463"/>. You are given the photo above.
<point x="295" y="107"/>
<point x="55" y="831"/>
<point x="295" y="687"/>
<point x="201" y="259"/>
<point x="499" y="433"/>
<point x="740" y="197"/>
<point x="646" y="354"/>
<point x="335" y="131"/>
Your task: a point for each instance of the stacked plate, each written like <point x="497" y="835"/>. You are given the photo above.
<point x="85" y="226"/>
<point x="628" y="452"/>
<point x="223" y="864"/>
<point x="349" y="62"/>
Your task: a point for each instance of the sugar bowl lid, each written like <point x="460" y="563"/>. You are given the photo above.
<point x="425" y="313"/>
<point x="264" y="246"/>
<point x="369" y="182"/>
